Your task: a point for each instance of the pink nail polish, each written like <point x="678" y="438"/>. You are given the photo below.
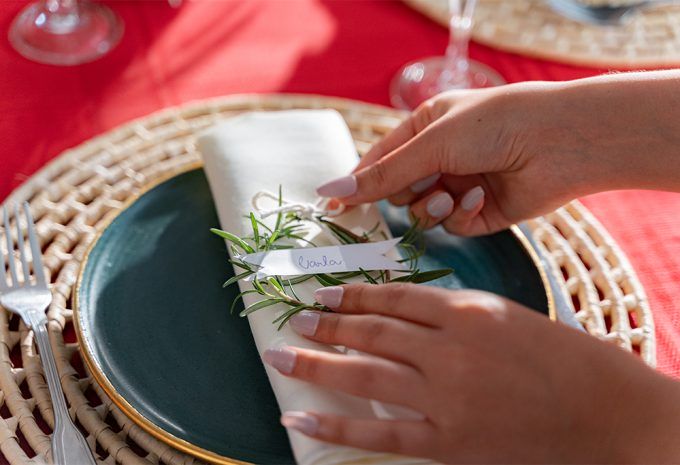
<point x="340" y="187"/>
<point x="440" y="205"/>
<point x="301" y="421"/>
<point x="329" y="296"/>
<point x="424" y="184"/>
<point x="282" y="359"/>
<point x="305" y="322"/>
<point x="472" y="198"/>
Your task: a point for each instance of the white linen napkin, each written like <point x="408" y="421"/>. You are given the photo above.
<point x="298" y="150"/>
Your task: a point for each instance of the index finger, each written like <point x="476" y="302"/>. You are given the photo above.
<point x="424" y="305"/>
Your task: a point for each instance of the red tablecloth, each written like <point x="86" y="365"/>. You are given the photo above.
<point x="343" y="48"/>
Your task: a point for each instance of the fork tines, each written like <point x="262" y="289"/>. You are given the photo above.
<point x="10" y="273"/>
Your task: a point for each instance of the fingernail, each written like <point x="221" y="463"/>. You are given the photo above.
<point x="340" y="187"/>
<point x="282" y="359"/>
<point x="305" y="322"/>
<point x="440" y="205"/>
<point x="424" y="184"/>
<point x="301" y="421"/>
<point x="472" y="198"/>
<point x="329" y="296"/>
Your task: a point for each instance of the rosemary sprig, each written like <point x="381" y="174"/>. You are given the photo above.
<point x="290" y="227"/>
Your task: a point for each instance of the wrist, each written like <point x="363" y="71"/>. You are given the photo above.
<point x="621" y="131"/>
<point x="550" y="116"/>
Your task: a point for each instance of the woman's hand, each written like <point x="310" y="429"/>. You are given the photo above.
<point x="479" y="160"/>
<point x="496" y="382"/>
<point x="467" y="159"/>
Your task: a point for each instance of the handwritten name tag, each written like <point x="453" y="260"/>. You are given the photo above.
<point x="317" y="260"/>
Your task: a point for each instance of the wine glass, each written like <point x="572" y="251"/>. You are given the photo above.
<point x="422" y="79"/>
<point x="65" y="32"/>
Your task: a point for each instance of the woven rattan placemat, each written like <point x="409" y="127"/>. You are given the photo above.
<point x="530" y="27"/>
<point x="71" y="196"/>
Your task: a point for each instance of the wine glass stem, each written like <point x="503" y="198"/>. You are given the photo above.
<point x="59" y="16"/>
<point x="457" y="70"/>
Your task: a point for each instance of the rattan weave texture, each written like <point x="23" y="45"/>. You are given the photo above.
<point x="530" y="27"/>
<point x="72" y="196"/>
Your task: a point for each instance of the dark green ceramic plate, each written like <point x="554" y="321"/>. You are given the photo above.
<point x="153" y="320"/>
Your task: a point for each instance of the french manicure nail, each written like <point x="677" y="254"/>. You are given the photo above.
<point x="329" y="296"/>
<point x="424" y="184"/>
<point x="301" y="421"/>
<point x="472" y="198"/>
<point x="440" y="205"/>
<point x="340" y="187"/>
<point x="305" y="322"/>
<point x="282" y="359"/>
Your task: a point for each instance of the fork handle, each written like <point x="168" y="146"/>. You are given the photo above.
<point x="68" y="444"/>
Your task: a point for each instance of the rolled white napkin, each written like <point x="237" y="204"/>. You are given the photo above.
<point x="297" y="150"/>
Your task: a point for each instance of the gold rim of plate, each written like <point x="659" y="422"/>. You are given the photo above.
<point x="130" y="410"/>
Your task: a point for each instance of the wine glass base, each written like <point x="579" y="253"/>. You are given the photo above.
<point x="420" y="80"/>
<point x="66" y="40"/>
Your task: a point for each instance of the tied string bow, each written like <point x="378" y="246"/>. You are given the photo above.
<point x="305" y="210"/>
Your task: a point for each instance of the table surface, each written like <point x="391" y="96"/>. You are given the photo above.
<point x="342" y="48"/>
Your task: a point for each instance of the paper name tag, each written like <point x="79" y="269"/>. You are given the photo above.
<point x="332" y="259"/>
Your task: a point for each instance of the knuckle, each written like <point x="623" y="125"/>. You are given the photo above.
<point x="395" y="294"/>
<point x="355" y="296"/>
<point x="371" y="381"/>
<point x="406" y="441"/>
<point x="372" y="333"/>
<point x="423" y="115"/>
<point x="330" y="328"/>
<point x="307" y="367"/>
<point x="395" y="439"/>
<point x="378" y="174"/>
<point x="455" y="225"/>
<point x="340" y="431"/>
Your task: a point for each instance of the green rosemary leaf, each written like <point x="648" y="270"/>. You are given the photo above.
<point x="345" y="235"/>
<point x="239" y="297"/>
<point x="240" y="264"/>
<point x="274" y="282"/>
<point x="236" y="278"/>
<point x="300" y="279"/>
<point x="368" y="277"/>
<point x="372" y="231"/>
<point x="233" y="239"/>
<point x="292" y="290"/>
<point x="280" y="215"/>
<point x="259" y="305"/>
<point x="290" y="312"/>
<point x="258" y="285"/>
<point x="328" y="280"/>
<point x="256" y="231"/>
<point x="300" y="238"/>
<point x="273" y="238"/>
<point x="405" y="278"/>
<point x="426" y="276"/>
<point x="346" y="275"/>
<point x="262" y="224"/>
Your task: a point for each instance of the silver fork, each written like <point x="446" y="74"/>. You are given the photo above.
<point x="29" y="299"/>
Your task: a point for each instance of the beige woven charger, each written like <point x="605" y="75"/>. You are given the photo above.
<point x="71" y="196"/>
<point x="651" y="39"/>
